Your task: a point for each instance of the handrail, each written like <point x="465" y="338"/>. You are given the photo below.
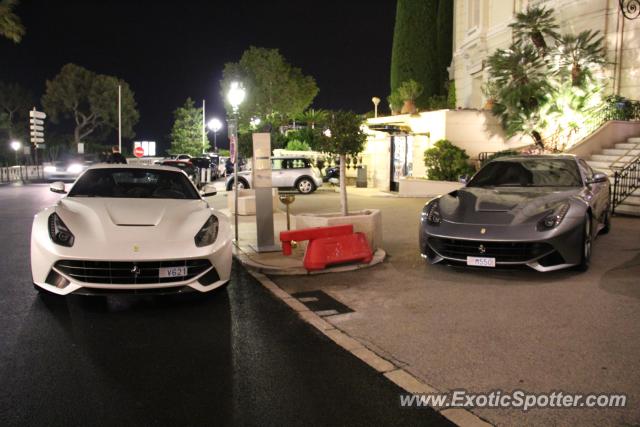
<point x="625" y="181"/>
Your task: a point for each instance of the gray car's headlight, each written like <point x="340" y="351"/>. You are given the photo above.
<point x="553" y="219"/>
<point x="59" y="232"/>
<point x="431" y="213"/>
<point x="208" y="233"/>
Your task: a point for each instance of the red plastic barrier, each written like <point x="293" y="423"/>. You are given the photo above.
<point x="329" y="246"/>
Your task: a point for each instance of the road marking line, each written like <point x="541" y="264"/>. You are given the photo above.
<point x="343" y="340"/>
<point x="373" y="360"/>
<point x="408" y="382"/>
<point x="295" y="304"/>
<point x="464" y="418"/>
<point x="325" y="313"/>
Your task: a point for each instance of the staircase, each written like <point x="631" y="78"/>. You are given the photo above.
<point x="616" y="158"/>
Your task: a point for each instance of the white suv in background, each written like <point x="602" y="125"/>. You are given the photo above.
<point x="286" y="172"/>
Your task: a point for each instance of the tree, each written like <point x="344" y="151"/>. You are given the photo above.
<point x="90" y="101"/>
<point x="413" y="55"/>
<point x="444" y="45"/>
<point x="186" y="134"/>
<point x="275" y="89"/>
<point x="15" y="102"/>
<point x="343" y="136"/>
<point x="578" y="54"/>
<point x="10" y="24"/>
<point x="534" y="24"/>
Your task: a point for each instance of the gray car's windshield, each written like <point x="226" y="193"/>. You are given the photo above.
<point x="134" y="183"/>
<point x="528" y="173"/>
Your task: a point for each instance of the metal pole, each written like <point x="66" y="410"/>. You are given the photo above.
<point x="120" y="118"/>
<point x="215" y="145"/>
<point x="235" y="170"/>
<point x="204" y="132"/>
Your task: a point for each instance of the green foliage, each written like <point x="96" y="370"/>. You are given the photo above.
<point x="451" y="95"/>
<point x="422" y="47"/>
<point x="89" y="101"/>
<point x="410" y="90"/>
<point x="533" y="25"/>
<point x="10" y="25"/>
<point x="186" y="134"/>
<point x="413" y="55"/>
<point x="346" y="136"/>
<point x="223" y="152"/>
<point x="546" y="92"/>
<point x="395" y="102"/>
<point x="275" y="90"/>
<point x="444" y="44"/>
<point x="295" y="145"/>
<point x="446" y="162"/>
<point x="15" y="103"/>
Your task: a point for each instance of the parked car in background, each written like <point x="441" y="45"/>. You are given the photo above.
<point x="127" y="228"/>
<point x="543" y="212"/>
<point x="286" y="172"/>
<point x="183" y="165"/>
<point x="182" y="157"/>
<point x="64" y="170"/>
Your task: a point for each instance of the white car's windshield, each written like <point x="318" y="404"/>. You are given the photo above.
<point x="134" y="183"/>
<point x="528" y="173"/>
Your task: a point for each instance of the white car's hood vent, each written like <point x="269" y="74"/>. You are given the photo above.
<point x="123" y="215"/>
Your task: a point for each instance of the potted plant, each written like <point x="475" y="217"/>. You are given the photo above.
<point x="490" y="91"/>
<point x="409" y="91"/>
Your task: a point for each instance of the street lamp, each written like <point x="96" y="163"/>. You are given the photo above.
<point x="235" y="97"/>
<point x="375" y="101"/>
<point x="15" y="146"/>
<point x="214" y="125"/>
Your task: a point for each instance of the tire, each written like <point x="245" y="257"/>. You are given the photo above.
<point x="607" y="222"/>
<point x="242" y="185"/>
<point x="305" y="186"/>
<point x="587" y="244"/>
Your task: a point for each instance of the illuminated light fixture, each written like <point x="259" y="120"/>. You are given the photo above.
<point x="15" y="145"/>
<point x="236" y="95"/>
<point x="214" y="125"/>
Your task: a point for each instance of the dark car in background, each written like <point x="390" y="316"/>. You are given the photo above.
<point x="542" y="211"/>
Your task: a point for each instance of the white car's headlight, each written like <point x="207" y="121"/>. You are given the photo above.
<point x="74" y="168"/>
<point x="59" y="232"/>
<point x="49" y="169"/>
<point x="554" y="219"/>
<point x="208" y="233"/>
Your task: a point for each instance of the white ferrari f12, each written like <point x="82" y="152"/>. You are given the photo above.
<point x="132" y="229"/>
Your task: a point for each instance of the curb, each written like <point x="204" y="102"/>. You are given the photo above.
<point x="394" y="373"/>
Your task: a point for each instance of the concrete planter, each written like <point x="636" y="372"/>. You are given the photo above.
<point x="416" y="187"/>
<point x="367" y="221"/>
<point x="247" y="201"/>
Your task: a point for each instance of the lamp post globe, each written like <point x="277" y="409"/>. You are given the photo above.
<point x="15" y="146"/>
<point x="215" y="125"/>
<point x="236" y="95"/>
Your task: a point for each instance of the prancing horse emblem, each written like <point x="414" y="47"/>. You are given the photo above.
<point x="482" y="249"/>
<point x="135" y="270"/>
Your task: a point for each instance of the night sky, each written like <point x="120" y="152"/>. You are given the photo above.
<point x="170" y="51"/>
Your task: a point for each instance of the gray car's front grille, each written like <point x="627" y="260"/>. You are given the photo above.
<point x="128" y="273"/>
<point x="501" y="251"/>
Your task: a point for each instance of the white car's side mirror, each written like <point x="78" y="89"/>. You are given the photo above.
<point x="208" y="190"/>
<point x="58" y="187"/>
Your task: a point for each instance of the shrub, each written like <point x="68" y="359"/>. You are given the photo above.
<point x="395" y="102"/>
<point x="446" y="162"/>
<point x="295" y="145"/>
<point x="410" y="90"/>
<point x="502" y="153"/>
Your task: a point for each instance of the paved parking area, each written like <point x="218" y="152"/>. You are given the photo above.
<point x="483" y="330"/>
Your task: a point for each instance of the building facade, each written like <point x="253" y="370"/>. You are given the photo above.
<point x="482" y="26"/>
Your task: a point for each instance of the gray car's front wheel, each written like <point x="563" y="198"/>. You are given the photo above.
<point x="587" y="243"/>
<point x="305" y="186"/>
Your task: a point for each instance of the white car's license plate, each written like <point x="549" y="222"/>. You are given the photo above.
<point x="172" y="272"/>
<point x="481" y="262"/>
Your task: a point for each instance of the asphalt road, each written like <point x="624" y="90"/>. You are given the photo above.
<point x="485" y="329"/>
<point x="237" y="356"/>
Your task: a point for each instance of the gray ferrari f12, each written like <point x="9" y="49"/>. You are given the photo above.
<point x="542" y="211"/>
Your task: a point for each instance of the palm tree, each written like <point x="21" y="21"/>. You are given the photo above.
<point x="312" y="117"/>
<point x="580" y="54"/>
<point x="534" y="24"/>
<point x="10" y="25"/>
<point x="518" y="75"/>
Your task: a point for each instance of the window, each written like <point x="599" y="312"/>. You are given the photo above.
<point x="473" y="14"/>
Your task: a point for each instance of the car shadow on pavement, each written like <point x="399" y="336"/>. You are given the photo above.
<point x="623" y="279"/>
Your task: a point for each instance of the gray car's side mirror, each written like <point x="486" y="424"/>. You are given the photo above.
<point x="58" y="187"/>
<point x="463" y="179"/>
<point x="597" y="178"/>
